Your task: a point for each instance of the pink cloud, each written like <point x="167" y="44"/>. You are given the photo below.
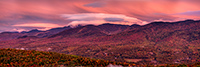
<point x="49" y="10"/>
<point x="100" y="18"/>
<point x="44" y="26"/>
<point x="38" y="25"/>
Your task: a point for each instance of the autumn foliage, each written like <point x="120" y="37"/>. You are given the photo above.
<point x="16" y="58"/>
<point x="156" y="43"/>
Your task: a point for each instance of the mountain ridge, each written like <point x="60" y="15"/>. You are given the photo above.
<point x="154" y="43"/>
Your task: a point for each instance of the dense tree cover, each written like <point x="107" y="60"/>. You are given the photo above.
<point x="24" y="58"/>
<point x="18" y="58"/>
<point x="155" y="43"/>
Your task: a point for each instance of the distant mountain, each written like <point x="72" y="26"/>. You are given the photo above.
<point x="9" y="35"/>
<point x="100" y="30"/>
<point x="154" y="43"/>
<point x="34" y="32"/>
<point x="104" y="29"/>
<point x="52" y="31"/>
<point x="89" y="30"/>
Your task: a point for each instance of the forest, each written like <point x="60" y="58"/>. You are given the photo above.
<point x="24" y="58"/>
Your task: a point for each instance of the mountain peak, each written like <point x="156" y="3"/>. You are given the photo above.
<point x="112" y="24"/>
<point x="34" y="30"/>
<point x="135" y="25"/>
<point x="10" y="32"/>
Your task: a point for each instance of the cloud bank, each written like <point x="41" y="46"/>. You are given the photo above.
<point x="100" y="18"/>
<point x="39" y="26"/>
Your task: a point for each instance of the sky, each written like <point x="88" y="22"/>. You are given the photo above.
<point x="24" y="15"/>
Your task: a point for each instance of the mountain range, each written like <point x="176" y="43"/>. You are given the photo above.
<point x="154" y="43"/>
<point x="41" y="34"/>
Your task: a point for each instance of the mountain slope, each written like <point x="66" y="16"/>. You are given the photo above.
<point x="89" y="30"/>
<point x="113" y="28"/>
<point x="100" y="30"/>
<point x="154" y="43"/>
<point x="9" y="36"/>
<point x="104" y="29"/>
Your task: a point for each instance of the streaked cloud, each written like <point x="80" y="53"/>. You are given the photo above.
<point x="95" y="4"/>
<point x="190" y="13"/>
<point x="27" y="20"/>
<point x="40" y="26"/>
<point x="100" y="18"/>
<point x="195" y="15"/>
<point x="18" y="30"/>
<point x="114" y="19"/>
<point x="15" y="12"/>
<point x="37" y="25"/>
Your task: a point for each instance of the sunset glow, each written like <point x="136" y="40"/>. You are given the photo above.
<point x="15" y="12"/>
<point x="99" y="33"/>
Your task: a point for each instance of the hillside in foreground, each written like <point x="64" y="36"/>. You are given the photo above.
<point x="27" y="58"/>
<point x="16" y="58"/>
